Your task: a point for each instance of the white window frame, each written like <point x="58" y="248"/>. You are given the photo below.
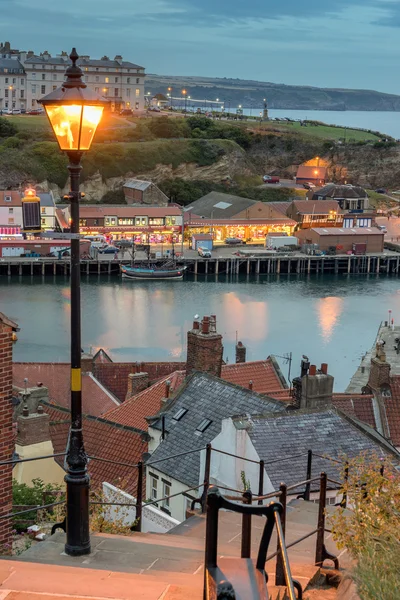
<point x="153" y="487"/>
<point x="166" y="492"/>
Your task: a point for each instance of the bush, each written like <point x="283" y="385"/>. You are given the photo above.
<point x="13" y="142"/>
<point x="114" y="197"/>
<point x="25" y="495"/>
<point x="7" y="128"/>
<point x="371" y="531"/>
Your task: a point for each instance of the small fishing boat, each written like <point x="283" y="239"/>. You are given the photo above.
<point x="153" y="271"/>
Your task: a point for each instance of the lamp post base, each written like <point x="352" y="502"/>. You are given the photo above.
<point x="78" y="538"/>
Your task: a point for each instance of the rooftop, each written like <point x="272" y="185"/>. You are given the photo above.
<point x="360" y="231"/>
<point x="147" y="403"/>
<point x="88" y="211"/>
<point x="204" y="397"/>
<point x="104" y="439"/>
<point x="96" y="398"/>
<point x="82" y="62"/>
<point x="137" y="184"/>
<point x="317" y="207"/>
<point x="220" y="206"/>
<point x="265" y="375"/>
<point x="327" y="432"/>
<point x="304" y="172"/>
<point x="331" y="190"/>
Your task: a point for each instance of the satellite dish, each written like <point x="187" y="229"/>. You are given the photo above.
<point x="196" y="316"/>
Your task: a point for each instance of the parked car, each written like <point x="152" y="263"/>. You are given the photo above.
<point x="307" y="185"/>
<point x="123" y="243"/>
<point x="108" y="250"/>
<point x="154" y="109"/>
<point x="382" y="228"/>
<point x="270" y="179"/>
<point x="204" y="252"/>
<point x="233" y="241"/>
<point x="381" y="191"/>
<point x="126" y="112"/>
<point x="35" y="111"/>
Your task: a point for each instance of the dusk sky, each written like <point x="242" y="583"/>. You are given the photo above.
<point x="341" y="43"/>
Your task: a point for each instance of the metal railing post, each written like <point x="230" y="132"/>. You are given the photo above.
<point x="206" y="484"/>
<point x="343" y="502"/>
<point x="261" y="480"/>
<point x="139" y="498"/>
<point x="280" y="569"/>
<point x="319" y="552"/>
<point x="246" y="527"/>
<point x="309" y="475"/>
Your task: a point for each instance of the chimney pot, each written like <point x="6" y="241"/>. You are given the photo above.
<point x="313" y="370"/>
<point x="167" y="388"/>
<point x="324" y="368"/>
<point x="250" y="384"/>
<point x="25" y="411"/>
<point x="240" y="353"/>
<point x="196" y="325"/>
<point x="205" y="325"/>
<point x="40" y="410"/>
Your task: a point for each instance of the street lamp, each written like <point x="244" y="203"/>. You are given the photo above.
<point x="184" y="93"/>
<point x="74" y="113"/>
<point x="170" y="94"/>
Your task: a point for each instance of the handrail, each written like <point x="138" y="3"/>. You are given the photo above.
<point x="174" y="456"/>
<point x="339" y="462"/>
<point x="294" y="543"/>
<point x="221" y="487"/>
<point x="266" y="496"/>
<point x="113" y="462"/>
<point x="300" y="483"/>
<point x="285" y="557"/>
<point x="15" y="461"/>
<point x="278" y="460"/>
<point x="335" y="482"/>
<point x="257" y="462"/>
<point x="33" y="508"/>
<point x="171" y="496"/>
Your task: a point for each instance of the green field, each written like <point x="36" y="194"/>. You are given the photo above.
<point x="32" y="123"/>
<point x="324" y="131"/>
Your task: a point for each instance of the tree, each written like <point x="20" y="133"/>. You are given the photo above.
<point x="7" y="129"/>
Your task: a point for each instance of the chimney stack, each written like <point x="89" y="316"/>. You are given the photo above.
<point x="137" y="382"/>
<point x="167" y="388"/>
<point x="33" y="428"/>
<point x="204" y="347"/>
<point x="379" y="374"/>
<point x="240" y="353"/>
<point x="316" y="388"/>
<point x="250" y="384"/>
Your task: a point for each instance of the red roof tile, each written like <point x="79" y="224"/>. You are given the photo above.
<point x="316" y="207"/>
<point x="61" y="218"/>
<point x="103" y="439"/>
<point x="392" y="405"/>
<point x="356" y="405"/>
<point x="147" y="403"/>
<point x="56" y="377"/>
<point x="263" y="373"/>
<point x="16" y="198"/>
<point x="114" y="376"/>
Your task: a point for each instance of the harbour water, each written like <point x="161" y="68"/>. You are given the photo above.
<point x="331" y="319"/>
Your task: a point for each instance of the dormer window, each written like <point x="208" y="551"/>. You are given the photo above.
<point x="7" y="198"/>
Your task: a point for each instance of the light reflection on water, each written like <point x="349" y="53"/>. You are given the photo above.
<point x="331" y="319"/>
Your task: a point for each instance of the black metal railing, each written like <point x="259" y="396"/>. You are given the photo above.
<point x="281" y="572"/>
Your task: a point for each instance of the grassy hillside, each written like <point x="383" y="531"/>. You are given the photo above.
<point x="324" y="132"/>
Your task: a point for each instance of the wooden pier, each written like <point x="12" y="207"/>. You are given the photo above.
<point x="387" y="263"/>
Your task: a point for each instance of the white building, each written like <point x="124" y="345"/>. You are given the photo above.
<point x="26" y="77"/>
<point x="12" y="84"/>
<point x="11" y="211"/>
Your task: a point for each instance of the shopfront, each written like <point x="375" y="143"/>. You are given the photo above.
<point x="146" y="234"/>
<point x="253" y="230"/>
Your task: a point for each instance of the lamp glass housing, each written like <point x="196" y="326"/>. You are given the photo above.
<point x="74" y="125"/>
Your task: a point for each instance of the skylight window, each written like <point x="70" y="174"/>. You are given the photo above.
<point x="203" y="426"/>
<point x="179" y="414"/>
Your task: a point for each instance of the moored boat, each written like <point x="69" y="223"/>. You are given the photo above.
<point x="152" y="272"/>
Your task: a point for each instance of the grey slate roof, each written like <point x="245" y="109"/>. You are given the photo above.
<point x="46" y="199"/>
<point x="12" y="66"/>
<point x="58" y="60"/>
<point x="205" y="397"/>
<point x="137" y="184"/>
<point x="327" y="432"/>
<point x="334" y="191"/>
<point x="205" y="206"/>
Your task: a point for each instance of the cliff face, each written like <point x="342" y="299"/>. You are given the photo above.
<point x="95" y="187"/>
<point x="252" y="93"/>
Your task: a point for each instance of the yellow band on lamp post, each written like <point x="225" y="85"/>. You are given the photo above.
<point x="76" y="380"/>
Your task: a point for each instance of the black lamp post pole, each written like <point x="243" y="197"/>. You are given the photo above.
<point x="77" y="478"/>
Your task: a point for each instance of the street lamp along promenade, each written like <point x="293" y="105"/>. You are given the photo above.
<point x="74" y="113"/>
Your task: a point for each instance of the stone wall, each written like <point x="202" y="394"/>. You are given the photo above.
<point x="6" y="433"/>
